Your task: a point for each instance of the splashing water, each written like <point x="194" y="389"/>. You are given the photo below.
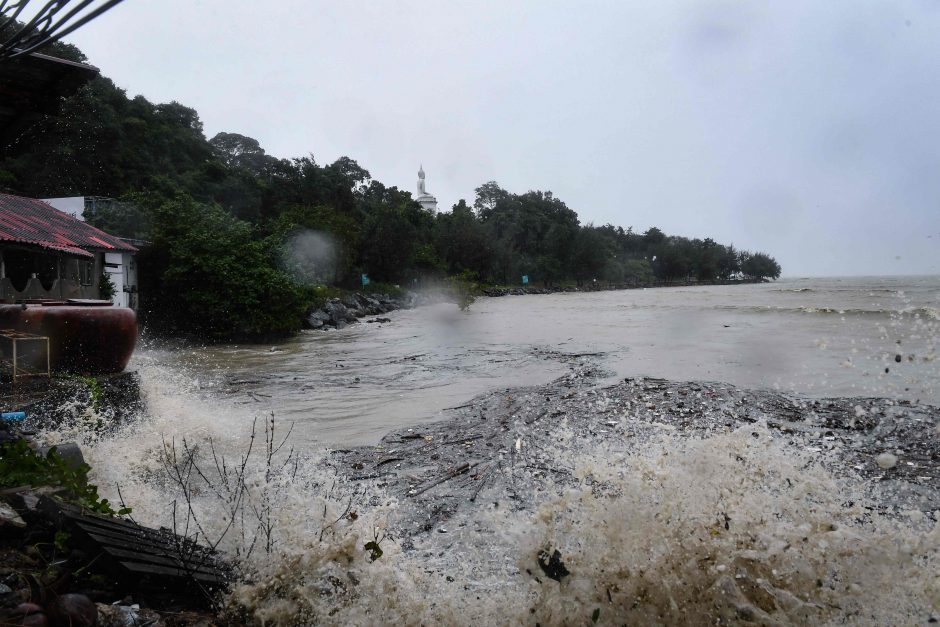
<point x="734" y="528"/>
<point x="656" y="526"/>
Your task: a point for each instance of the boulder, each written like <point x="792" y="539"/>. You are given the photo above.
<point x="75" y="610"/>
<point x="337" y="311"/>
<point x="317" y="319"/>
<point x="340" y="312"/>
<point x="70" y="453"/>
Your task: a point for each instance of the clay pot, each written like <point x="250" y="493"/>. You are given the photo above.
<point x="83" y="339"/>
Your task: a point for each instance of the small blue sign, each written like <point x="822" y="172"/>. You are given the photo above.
<point x="365" y="280"/>
<point x="525" y="279"/>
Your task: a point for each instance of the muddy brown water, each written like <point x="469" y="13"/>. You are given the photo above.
<point x="817" y="337"/>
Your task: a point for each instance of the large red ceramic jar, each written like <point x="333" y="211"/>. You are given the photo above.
<point x="90" y="338"/>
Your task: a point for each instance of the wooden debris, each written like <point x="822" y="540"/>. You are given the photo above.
<point x="157" y="557"/>
<point x="459" y="470"/>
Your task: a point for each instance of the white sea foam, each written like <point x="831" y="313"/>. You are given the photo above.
<point x="737" y="527"/>
<point x="734" y="529"/>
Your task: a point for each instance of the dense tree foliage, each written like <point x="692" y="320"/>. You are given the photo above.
<point x="211" y="275"/>
<point x="759" y="266"/>
<point x="219" y="213"/>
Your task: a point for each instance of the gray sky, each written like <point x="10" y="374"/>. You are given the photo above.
<point x="806" y="129"/>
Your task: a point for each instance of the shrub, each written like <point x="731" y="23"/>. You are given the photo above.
<point x="21" y="465"/>
<point x="211" y="277"/>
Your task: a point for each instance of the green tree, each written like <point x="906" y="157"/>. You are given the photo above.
<point x="207" y="275"/>
<point x="638" y="272"/>
<point x="461" y="241"/>
<point x="759" y="266"/>
<point x="728" y="262"/>
<point x="591" y="255"/>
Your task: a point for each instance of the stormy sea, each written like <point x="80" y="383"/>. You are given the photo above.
<point x="740" y="454"/>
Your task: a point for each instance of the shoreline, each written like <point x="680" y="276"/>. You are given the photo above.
<point x="61" y="560"/>
<point x="501" y="452"/>
<point x="496" y="292"/>
<point x="340" y="312"/>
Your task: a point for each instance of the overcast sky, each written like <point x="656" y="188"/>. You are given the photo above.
<point x="806" y="129"/>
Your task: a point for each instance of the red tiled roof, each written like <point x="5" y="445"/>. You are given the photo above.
<point x="31" y="221"/>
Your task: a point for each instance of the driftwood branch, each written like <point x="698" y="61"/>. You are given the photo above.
<point x="459" y="470"/>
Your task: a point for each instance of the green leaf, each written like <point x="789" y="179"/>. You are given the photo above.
<point x="61" y="541"/>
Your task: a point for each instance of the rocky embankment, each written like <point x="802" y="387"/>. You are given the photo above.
<point x="337" y="313"/>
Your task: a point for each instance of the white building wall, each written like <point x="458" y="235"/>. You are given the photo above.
<point x="130" y="279"/>
<point x="122" y="269"/>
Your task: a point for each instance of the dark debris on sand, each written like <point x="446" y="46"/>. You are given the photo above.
<point x="504" y="439"/>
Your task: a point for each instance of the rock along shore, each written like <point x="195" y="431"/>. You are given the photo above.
<point x="337" y="313"/>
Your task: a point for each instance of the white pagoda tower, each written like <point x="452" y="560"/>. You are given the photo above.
<point x="425" y="199"/>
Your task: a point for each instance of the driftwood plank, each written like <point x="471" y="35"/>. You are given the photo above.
<point x="138" y="552"/>
<point x="113" y="539"/>
<point x="146" y="535"/>
<point x="172" y="573"/>
<point x="127" y="557"/>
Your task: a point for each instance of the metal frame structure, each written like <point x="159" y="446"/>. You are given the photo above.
<point x="52" y="21"/>
<point x="14" y="337"/>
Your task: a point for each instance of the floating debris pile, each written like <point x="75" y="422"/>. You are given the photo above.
<point x="664" y="502"/>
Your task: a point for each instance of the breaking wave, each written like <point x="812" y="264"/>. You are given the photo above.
<point x="930" y="313"/>
<point x="734" y="528"/>
<point x="738" y="528"/>
<point x="664" y="528"/>
<point x="652" y="526"/>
